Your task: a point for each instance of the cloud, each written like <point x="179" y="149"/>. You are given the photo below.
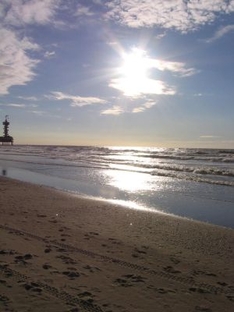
<point x="148" y="104"/>
<point x="49" y="54"/>
<point x="16" y="105"/>
<point x="39" y="113"/>
<point x="221" y="32"/>
<point x="160" y="36"/>
<point x="83" y="11"/>
<point x="130" y="105"/>
<point x="98" y="2"/>
<point x="28" y="98"/>
<point x="175" y="67"/>
<point x="134" y="77"/>
<point x="115" y="110"/>
<point x="175" y="14"/>
<point x="29" y="12"/>
<point x="138" y="88"/>
<point x="76" y="101"/>
<point x="209" y="137"/>
<point x="16" y="67"/>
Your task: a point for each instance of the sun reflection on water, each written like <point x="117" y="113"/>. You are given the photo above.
<point x="129" y="181"/>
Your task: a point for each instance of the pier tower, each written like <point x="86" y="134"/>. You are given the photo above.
<point x="6" y="138"/>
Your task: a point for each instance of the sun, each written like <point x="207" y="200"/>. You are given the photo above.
<point x="133" y="73"/>
<point x="135" y="65"/>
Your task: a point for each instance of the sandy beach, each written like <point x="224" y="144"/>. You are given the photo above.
<point x="59" y="252"/>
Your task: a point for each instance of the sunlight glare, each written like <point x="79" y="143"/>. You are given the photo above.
<point x="129" y="181"/>
<point x="135" y="65"/>
<point x="133" y="72"/>
<point x="134" y="78"/>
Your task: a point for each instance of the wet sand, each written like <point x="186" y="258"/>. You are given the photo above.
<point x="59" y="252"/>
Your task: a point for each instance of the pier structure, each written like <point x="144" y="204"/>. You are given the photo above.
<point x="6" y="138"/>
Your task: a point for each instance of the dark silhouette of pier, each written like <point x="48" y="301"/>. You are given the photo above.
<point x="6" y="138"/>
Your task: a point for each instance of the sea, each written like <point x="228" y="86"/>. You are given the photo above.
<point x="196" y="184"/>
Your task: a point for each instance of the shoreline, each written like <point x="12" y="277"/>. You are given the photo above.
<point x="107" y="257"/>
<point x="206" y="215"/>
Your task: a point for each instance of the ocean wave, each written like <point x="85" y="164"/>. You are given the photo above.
<point x="187" y="169"/>
<point x="201" y="165"/>
<point x="210" y="155"/>
<point x="193" y="178"/>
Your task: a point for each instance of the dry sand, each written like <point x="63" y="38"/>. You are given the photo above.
<point x="59" y="252"/>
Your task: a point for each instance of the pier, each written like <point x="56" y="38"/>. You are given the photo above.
<point x="6" y="138"/>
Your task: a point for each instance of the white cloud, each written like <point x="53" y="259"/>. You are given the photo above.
<point x="175" y="67"/>
<point x="83" y="11"/>
<point x="115" y="110"/>
<point x="16" y="67"/>
<point x="26" y="44"/>
<point x="76" y="101"/>
<point x="178" y="14"/>
<point x="28" y="98"/>
<point x="138" y="88"/>
<point x="221" y="32"/>
<point x="131" y="105"/>
<point x="49" y="54"/>
<point x="29" y="11"/>
<point x="160" y="36"/>
<point x="148" y="104"/>
<point x="209" y="137"/>
<point x="39" y="113"/>
<point x="16" y="105"/>
<point x="139" y="109"/>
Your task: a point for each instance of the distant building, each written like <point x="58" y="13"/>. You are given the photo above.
<point x="6" y="138"/>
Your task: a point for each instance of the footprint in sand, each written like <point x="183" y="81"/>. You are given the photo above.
<point x="46" y="266"/>
<point x="199" y="290"/>
<point x="137" y="253"/>
<point x="114" y="241"/>
<point x="41" y="215"/>
<point x="32" y="287"/>
<point x="5" y="301"/>
<point x="202" y="309"/>
<point x="7" y="252"/>
<point x="22" y="259"/>
<point x="4" y="298"/>
<point x="90" y="235"/>
<point x="66" y="259"/>
<point x="161" y="290"/>
<point x="91" y="269"/>
<point x="174" y="260"/>
<point x="71" y="274"/>
<point x="47" y="250"/>
<point x="129" y="280"/>
<point x="3" y="282"/>
<point x="93" y="233"/>
<point x="86" y="296"/>
<point x="170" y="269"/>
<point x="230" y="297"/>
<point x="197" y="272"/>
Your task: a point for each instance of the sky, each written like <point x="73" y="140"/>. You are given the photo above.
<point x="118" y="72"/>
